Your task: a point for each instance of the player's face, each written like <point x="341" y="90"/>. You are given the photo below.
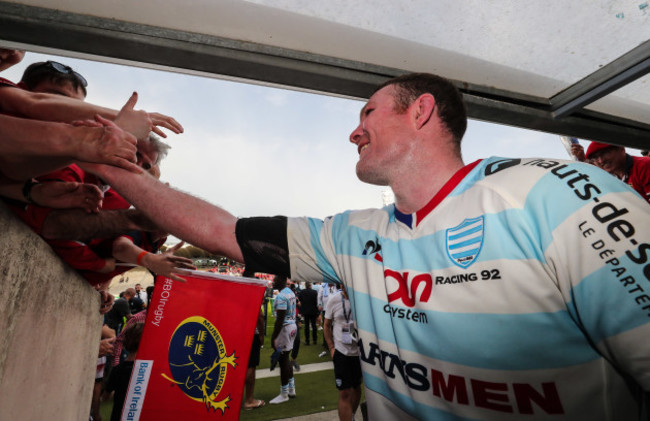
<point x="382" y="139"/>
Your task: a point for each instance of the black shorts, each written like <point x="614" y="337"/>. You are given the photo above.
<point x="254" y="359"/>
<point x="347" y="371"/>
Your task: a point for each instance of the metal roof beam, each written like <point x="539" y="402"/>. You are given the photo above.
<point x="607" y="79"/>
<point x="160" y="48"/>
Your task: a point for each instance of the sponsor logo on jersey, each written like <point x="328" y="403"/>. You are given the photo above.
<point x="501" y="165"/>
<point x="409" y="295"/>
<point x="458" y="390"/>
<point x="198" y="362"/>
<point x="464" y="241"/>
<point x="614" y="217"/>
<point x="373" y="248"/>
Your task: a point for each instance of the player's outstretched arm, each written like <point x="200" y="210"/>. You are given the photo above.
<point x="187" y="217"/>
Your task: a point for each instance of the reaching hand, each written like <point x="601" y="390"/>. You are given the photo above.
<point x="166" y="264"/>
<point x="106" y="346"/>
<point x="68" y="195"/>
<point x="110" y="145"/>
<point x="166" y="122"/>
<point x="578" y="151"/>
<point x="106" y="301"/>
<point x="140" y="122"/>
<point x="136" y="122"/>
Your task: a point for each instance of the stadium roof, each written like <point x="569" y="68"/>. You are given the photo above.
<point x="573" y="67"/>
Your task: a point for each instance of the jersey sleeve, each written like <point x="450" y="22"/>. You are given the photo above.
<point x="312" y="253"/>
<point x="597" y="248"/>
<point x="280" y="303"/>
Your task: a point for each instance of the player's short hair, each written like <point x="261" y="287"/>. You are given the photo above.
<point x="449" y="101"/>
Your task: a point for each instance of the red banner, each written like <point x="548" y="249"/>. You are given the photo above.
<point x="194" y="351"/>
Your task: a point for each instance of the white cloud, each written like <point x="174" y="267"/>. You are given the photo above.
<point x="277" y="98"/>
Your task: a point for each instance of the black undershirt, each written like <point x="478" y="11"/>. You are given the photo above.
<point x="264" y="245"/>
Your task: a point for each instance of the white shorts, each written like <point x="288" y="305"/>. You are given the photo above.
<point x="286" y="337"/>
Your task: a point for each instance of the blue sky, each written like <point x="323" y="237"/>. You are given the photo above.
<point x="256" y="150"/>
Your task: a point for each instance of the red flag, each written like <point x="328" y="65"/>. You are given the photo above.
<point x="194" y="350"/>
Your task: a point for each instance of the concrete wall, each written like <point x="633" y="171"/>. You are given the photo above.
<point x="50" y="327"/>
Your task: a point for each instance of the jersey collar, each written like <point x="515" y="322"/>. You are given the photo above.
<point x="413" y="219"/>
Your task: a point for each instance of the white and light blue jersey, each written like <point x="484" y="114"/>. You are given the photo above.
<point x="286" y="300"/>
<point x="521" y="291"/>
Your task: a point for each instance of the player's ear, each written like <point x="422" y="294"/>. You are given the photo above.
<point x="423" y="108"/>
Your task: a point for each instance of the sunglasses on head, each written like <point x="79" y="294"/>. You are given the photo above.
<point x="66" y="70"/>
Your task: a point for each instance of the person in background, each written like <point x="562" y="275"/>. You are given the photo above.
<point x="296" y="340"/>
<point x="119" y="353"/>
<point x="105" y="350"/>
<point x="323" y="297"/>
<point x="136" y="304"/>
<point x="117" y="317"/>
<point x="632" y="170"/>
<point x="309" y="309"/>
<point x="149" y="294"/>
<point x="141" y="294"/>
<point x="283" y="335"/>
<point x="118" y="379"/>
<point x="249" y="383"/>
<point x="340" y="335"/>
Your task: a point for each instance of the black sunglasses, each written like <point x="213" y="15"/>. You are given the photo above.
<point x="66" y="70"/>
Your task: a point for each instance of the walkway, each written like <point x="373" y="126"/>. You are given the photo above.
<point x="307" y="368"/>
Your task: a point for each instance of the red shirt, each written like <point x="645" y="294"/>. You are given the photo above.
<point x="638" y="175"/>
<point x="89" y="257"/>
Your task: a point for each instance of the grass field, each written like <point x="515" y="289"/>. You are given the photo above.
<point x="315" y="391"/>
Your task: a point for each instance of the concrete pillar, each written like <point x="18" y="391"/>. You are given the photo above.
<point x="50" y="330"/>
